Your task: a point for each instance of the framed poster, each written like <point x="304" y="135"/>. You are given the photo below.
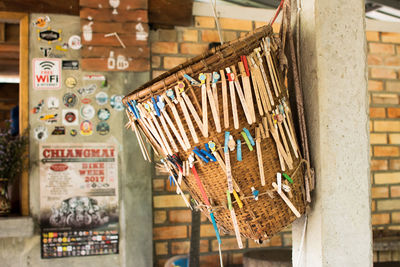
<point x="78" y="199"/>
<point x="46" y="73"/>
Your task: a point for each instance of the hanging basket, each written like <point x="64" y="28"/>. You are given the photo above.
<point x="266" y="189"/>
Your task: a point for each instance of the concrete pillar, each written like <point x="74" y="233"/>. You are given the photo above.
<point x="334" y="78"/>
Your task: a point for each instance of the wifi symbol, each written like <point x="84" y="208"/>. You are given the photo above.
<point x="47" y="65"/>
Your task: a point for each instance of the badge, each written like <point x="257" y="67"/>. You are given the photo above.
<point x="86" y="128"/>
<point x="49" y="118"/>
<point x="53" y="102"/>
<point x="75" y="42"/>
<point x="102" y="98"/>
<point x="86" y="101"/>
<point x="70" y="117"/>
<point x="41" y="22"/>
<point x="46" y="51"/>
<point x="70" y="82"/>
<point x="40" y="133"/>
<point x="87" y="112"/>
<point x="69" y="100"/>
<point x="116" y="102"/>
<point x="103" y="114"/>
<point x="103" y="128"/>
<point x="49" y="35"/>
<point x="73" y="132"/>
<point x="87" y="90"/>
<point x="58" y="130"/>
<point x="70" y="64"/>
<point x="36" y="109"/>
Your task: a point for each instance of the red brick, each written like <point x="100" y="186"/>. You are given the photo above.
<point x="190" y="35"/>
<point x="390" y="37"/>
<point x="378" y="48"/>
<point x="387" y="178"/>
<point x="377" y="112"/>
<point x="380" y="192"/>
<point x="184" y="247"/>
<point x="212" y="36"/>
<point x="377" y="139"/>
<point x="160" y="216"/>
<point x="193" y="49"/>
<point x="375" y="85"/>
<point x="204" y="22"/>
<point x="394" y="164"/>
<point x="392" y="99"/>
<point x="373" y="205"/>
<point x="374" y="60"/>
<point x="227" y="244"/>
<point x="164" y="48"/>
<point x="158" y="184"/>
<point x="155" y="62"/>
<point x="386" y="126"/>
<point x="372" y="36"/>
<point x="386" y="151"/>
<point x="392" y="61"/>
<point x="169" y="232"/>
<point x="396" y="217"/>
<point x="161" y="248"/>
<point x="395" y="191"/>
<point x="212" y="260"/>
<point x="393" y="86"/>
<point x="275" y="241"/>
<point x="383" y="218"/>
<point x="388" y="204"/>
<point x="379" y="165"/>
<point x="168" y="201"/>
<point x="207" y="230"/>
<point x="236" y="24"/>
<point x="383" y="73"/>
<point x="170" y="62"/>
<point x="394" y="112"/>
<point x="180" y="216"/>
<point x="167" y="35"/>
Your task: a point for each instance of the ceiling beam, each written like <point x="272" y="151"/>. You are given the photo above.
<point x="68" y="7"/>
<point x="390" y="3"/>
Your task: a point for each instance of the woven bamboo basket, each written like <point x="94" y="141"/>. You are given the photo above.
<point x="257" y="219"/>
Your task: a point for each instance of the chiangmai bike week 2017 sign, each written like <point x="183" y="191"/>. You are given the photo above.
<point x="46" y="73"/>
<point x="78" y="199"/>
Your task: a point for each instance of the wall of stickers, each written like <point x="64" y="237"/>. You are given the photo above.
<point x="75" y="125"/>
<point x="114" y="35"/>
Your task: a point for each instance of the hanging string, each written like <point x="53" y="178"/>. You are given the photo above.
<point x="277" y="12"/>
<point x="214" y="9"/>
<point x="303" y="235"/>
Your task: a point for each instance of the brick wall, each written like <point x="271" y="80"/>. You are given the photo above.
<point x="172" y="218"/>
<point x="384" y="93"/>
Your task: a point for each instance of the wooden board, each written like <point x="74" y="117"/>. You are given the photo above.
<point x="68" y="7"/>
<point x="170" y="12"/>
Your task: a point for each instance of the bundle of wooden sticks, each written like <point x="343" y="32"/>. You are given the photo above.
<point x="259" y="189"/>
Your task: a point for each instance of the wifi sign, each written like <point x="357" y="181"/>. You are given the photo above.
<point x="46" y="73"/>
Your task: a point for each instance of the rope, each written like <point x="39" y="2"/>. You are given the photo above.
<point x="303" y="235"/>
<point x="278" y="10"/>
<point x="214" y="9"/>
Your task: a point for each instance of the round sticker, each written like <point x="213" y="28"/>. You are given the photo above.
<point x="103" y="114"/>
<point x="70" y="117"/>
<point x="41" y="22"/>
<point x="116" y="102"/>
<point x="53" y="102"/>
<point x="75" y="42"/>
<point x="69" y="99"/>
<point x="73" y="132"/>
<point x="70" y="82"/>
<point x="87" y="112"/>
<point x="86" y="101"/>
<point x="103" y="128"/>
<point x="40" y="133"/>
<point x="101" y="98"/>
<point x="86" y="128"/>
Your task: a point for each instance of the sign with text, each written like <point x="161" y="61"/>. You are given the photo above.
<point x="78" y="199"/>
<point x="46" y="73"/>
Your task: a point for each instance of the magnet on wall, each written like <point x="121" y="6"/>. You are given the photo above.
<point x="53" y="102"/>
<point x="41" y="22"/>
<point x="70" y="64"/>
<point x="87" y="112"/>
<point x="116" y="102"/>
<point x="103" y="114"/>
<point x="74" y="42"/>
<point x="40" y="133"/>
<point x="58" y="130"/>
<point x="103" y="128"/>
<point x="70" y="82"/>
<point x="70" y="117"/>
<point x="88" y="90"/>
<point x="86" y="128"/>
<point x="73" y="132"/>
<point x="69" y="100"/>
<point x="49" y="35"/>
<point x="101" y="98"/>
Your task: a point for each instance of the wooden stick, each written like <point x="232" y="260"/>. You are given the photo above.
<point x="247" y="91"/>
<point x="223" y="167"/>
<point x="213" y="105"/>
<point x="215" y="91"/>
<point x="265" y="124"/>
<point x="291" y="138"/>
<point x="233" y="103"/>
<point x="174" y="130"/>
<point x="264" y="76"/>
<point x="261" y="85"/>
<point x="134" y="129"/>
<point x="259" y="156"/>
<point x="204" y="109"/>
<point x="285" y="144"/>
<point x="224" y="99"/>
<point x="257" y="93"/>
<point x="150" y="139"/>
<point x="168" y="133"/>
<point x="241" y="96"/>
<point x="262" y="131"/>
<point x="194" y="113"/>
<point x="287" y="201"/>
<point x="160" y="131"/>
<point x="281" y="150"/>
<point x="178" y="121"/>
<point x="187" y="117"/>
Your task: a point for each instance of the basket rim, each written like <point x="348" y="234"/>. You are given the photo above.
<point x="175" y="74"/>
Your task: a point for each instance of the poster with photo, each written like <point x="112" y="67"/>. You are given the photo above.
<point x="78" y="199"/>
